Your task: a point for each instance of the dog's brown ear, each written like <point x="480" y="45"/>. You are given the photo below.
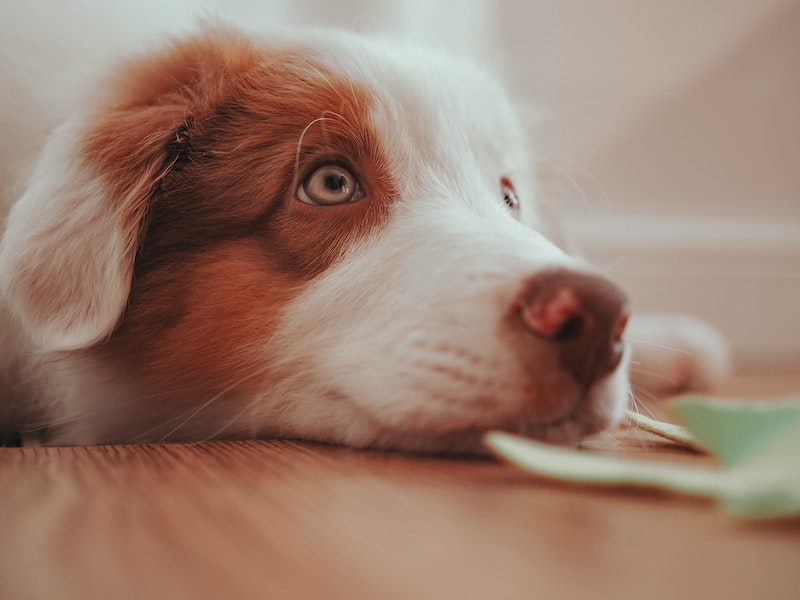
<point x="68" y="253"/>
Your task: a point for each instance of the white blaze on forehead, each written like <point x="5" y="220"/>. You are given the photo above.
<point x="437" y="117"/>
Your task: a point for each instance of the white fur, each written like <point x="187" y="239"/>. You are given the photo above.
<point x="398" y="345"/>
<point x="65" y="264"/>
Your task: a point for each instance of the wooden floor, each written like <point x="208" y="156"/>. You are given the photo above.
<point x="288" y="520"/>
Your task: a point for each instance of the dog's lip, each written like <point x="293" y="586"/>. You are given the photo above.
<point x="568" y="430"/>
<point x="579" y="414"/>
<point x="569" y="427"/>
<point x="469" y="438"/>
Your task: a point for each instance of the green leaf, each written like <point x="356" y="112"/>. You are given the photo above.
<point x="758" y="447"/>
<point x="732" y="431"/>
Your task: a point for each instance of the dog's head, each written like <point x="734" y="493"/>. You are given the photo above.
<point x="325" y="237"/>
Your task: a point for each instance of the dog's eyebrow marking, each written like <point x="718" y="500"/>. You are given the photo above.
<point x="330" y="84"/>
<point x="322" y="119"/>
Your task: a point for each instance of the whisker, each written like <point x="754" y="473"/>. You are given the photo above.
<point x="662" y="346"/>
<point x="587" y="173"/>
<point x="107" y="408"/>
<point x="327" y="115"/>
<point x="635" y="407"/>
<point x="193" y="413"/>
<point x="328" y="81"/>
<point x="570" y="179"/>
<point x="237" y="417"/>
<point x="619" y="261"/>
<point x="300" y="147"/>
<point x="642" y="406"/>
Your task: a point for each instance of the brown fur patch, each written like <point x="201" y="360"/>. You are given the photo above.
<point x="198" y="147"/>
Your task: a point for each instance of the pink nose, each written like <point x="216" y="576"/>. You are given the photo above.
<point x="583" y="315"/>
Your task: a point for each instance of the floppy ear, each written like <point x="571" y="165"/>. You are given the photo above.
<point x="68" y="253"/>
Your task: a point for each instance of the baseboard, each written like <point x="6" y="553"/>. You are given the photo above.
<point x="742" y="275"/>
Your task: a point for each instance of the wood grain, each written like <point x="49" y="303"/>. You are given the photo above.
<point x="275" y="519"/>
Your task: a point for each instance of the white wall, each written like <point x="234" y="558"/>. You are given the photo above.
<point x="675" y="135"/>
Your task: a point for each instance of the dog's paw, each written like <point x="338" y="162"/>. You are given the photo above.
<point x="674" y="353"/>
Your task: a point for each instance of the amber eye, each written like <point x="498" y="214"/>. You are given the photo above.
<point x="329" y="185"/>
<point x="509" y="195"/>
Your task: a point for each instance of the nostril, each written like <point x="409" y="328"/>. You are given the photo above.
<point x="572" y="329"/>
<point x="553" y="313"/>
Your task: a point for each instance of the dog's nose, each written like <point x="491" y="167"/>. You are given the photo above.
<point x="583" y="315"/>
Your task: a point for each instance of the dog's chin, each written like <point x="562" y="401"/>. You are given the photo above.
<point x="469" y="442"/>
<point x="599" y="410"/>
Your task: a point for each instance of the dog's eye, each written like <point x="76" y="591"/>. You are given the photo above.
<point x="329" y="185"/>
<point x="509" y="195"/>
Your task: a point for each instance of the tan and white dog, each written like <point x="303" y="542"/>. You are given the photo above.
<point x="309" y="235"/>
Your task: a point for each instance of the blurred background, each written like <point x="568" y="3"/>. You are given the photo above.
<point x="668" y="131"/>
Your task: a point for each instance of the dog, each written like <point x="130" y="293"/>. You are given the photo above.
<point x="310" y="235"/>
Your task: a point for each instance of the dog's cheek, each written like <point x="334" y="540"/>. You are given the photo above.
<point x="202" y="327"/>
<point x="412" y="336"/>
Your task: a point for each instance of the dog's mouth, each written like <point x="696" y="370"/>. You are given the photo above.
<point x="469" y="441"/>
<point x="582" y="420"/>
